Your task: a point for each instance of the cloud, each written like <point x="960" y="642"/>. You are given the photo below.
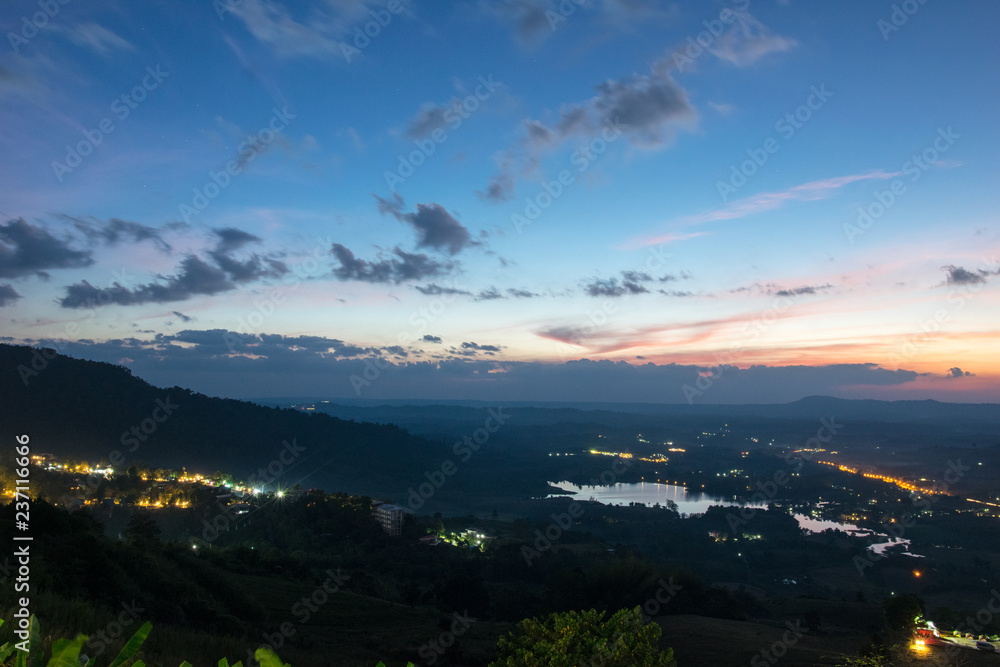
<point x="8" y="295"/>
<point x="96" y="37"/>
<point x="489" y="294"/>
<point x="195" y="277"/>
<point x="115" y="231"/>
<point x="960" y="276"/>
<point x="527" y="16"/>
<point x="534" y="20"/>
<point x="473" y="348"/>
<point x="436" y="228"/>
<point x="521" y="294"/>
<point x="434" y="289"/>
<point x="26" y="249"/>
<point x="957" y="372"/>
<point x="319" y="37"/>
<point x="797" y="291"/>
<point x="769" y="201"/>
<point x="184" y="318"/>
<point x="231" y="239"/>
<point x="630" y="283"/>
<point x="431" y="339"/>
<point x="500" y="187"/>
<point x="747" y="40"/>
<point x="266" y="365"/>
<point x="402" y="267"/>
<point x="643" y="107"/>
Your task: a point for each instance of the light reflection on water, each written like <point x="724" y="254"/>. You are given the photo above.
<point x="694" y="502"/>
<point x="649" y="493"/>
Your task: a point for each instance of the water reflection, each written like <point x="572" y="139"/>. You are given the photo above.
<point x="649" y="494"/>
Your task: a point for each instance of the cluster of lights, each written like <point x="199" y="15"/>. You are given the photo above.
<point x="624" y="455"/>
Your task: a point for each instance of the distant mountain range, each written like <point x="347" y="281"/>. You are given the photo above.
<point x="810" y="407"/>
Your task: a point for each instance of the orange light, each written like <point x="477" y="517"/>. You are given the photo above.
<point x="916" y="573"/>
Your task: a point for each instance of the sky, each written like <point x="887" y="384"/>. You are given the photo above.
<point x="736" y="201"/>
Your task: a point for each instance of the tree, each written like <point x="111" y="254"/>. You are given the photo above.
<point x="573" y="639"/>
<point x="902" y="613"/>
<point x="141" y="530"/>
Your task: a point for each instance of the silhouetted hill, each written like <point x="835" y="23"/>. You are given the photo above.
<point x="411" y="411"/>
<point x="88" y="410"/>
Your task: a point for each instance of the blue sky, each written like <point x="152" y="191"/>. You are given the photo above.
<point x="614" y="199"/>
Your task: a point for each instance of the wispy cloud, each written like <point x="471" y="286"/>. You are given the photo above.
<point x="763" y="202"/>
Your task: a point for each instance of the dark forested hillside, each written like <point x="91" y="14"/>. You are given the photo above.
<point x="90" y="410"/>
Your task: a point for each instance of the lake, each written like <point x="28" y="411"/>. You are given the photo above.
<point x="693" y="502"/>
<point x="649" y="493"/>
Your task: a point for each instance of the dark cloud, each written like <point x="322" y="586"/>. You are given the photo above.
<point x="195" y="277"/>
<point x="436" y="228"/>
<point x="8" y="295"/>
<point x="960" y="276"/>
<point x="476" y="347"/>
<point x="430" y="117"/>
<point x="402" y="267"/>
<point x="231" y="239"/>
<point x="643" y="107"/>
<point x="500" y="188"/>
<point x="527" y="16"/>
<point x="570" y="335"/>
<point x="630" y="283"/>
<point x="431" y="339"/>
<point x="798" y="291"/>
<point x="184" y="318"/>
<point x="674" y="292"/>
<point x="957" y="372"/>
<point x="433" y="289"/>
<point x="115" y="230"/>
<point x="521" y="294"/>
<point x="296" y="367"/>
<point x="26" y="249"/>
<point x="489" y="294"/>
<point x="683" y="275"/>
